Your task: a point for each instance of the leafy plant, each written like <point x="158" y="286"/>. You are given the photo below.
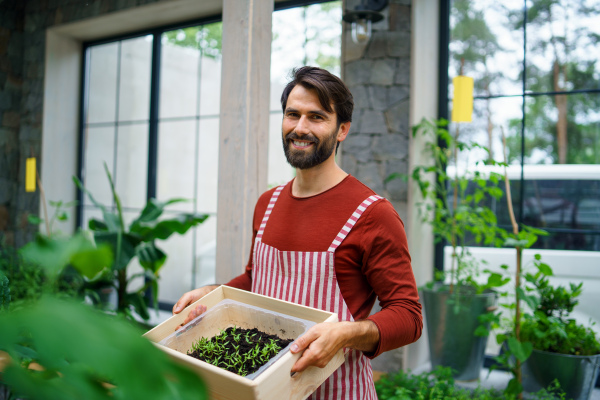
<point x="517" y="350"/>
<point x="545" y="324"/>
<point x="63" y="349"/>
<point x="454" y="205"/>
<point x="27" y="281"/>
<point x="439" y="384"/>
<point x="4" y="292"/>
<point x="238" y="350"/>
<point x="76" y="352"/>
<point x="549" y="327"/>
<point x="138" y="240"/>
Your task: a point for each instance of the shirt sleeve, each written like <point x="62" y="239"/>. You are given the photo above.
<point x="388" y="270"/>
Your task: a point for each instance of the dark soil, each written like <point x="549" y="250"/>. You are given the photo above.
<point x="251" y="364"/>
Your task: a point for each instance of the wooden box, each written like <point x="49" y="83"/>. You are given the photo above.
<point x="275" y="382"/>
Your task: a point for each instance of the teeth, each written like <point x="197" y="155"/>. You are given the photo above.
<point x="301" y="144"/>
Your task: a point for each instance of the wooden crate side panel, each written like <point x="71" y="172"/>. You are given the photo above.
<point x="222" y="385"/>
<point x="268" y="303"/>
<point x="278" y="384"/>
<point x="163" y="330"/>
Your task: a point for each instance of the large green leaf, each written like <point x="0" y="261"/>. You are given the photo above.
<point x="138" y="302"/>
<point x="55" y="253"/>
<point x="128" y="243"/>
<point x="150" y="257"/>
<point x="91" y="262"/>
<point x="521" y="350"/>
<point x="152" y="211"/>
<point x="80" y="349"/>
<point x="164" y="229"/>
<point x="513" y="388"/>
<point x="111" y="220"/>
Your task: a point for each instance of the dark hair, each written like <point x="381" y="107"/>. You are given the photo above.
<point x="330" y="89"/>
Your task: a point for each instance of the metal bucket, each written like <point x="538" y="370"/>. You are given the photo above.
<point x="576" y="374"/>
<point x="451" y="329"/>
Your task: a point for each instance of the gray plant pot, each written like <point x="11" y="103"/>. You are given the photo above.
<point x="576" y="374"/>
<point x="451" y="329"/>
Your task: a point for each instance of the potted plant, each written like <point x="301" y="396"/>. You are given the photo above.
<point x="454" y="206"/>
<point x="563" y="349"/>
<point x="57" y="347"/>
<point x="541" y="345"/>
<point x="138" y="240"/>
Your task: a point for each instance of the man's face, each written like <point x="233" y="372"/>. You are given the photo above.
<point x="310" y="134"/>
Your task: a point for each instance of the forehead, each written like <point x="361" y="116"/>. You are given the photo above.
<point x="301" y="97"/>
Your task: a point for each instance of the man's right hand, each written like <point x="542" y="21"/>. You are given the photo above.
<point x="190" y="297"/>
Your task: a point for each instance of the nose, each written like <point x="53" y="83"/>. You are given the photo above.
<point x="302" y="127"/>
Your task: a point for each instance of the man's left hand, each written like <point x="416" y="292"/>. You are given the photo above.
<point x="321" y="342"/>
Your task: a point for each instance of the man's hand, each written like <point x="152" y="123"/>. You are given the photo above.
<point x="190" y="297"/>
<point x="322" y="342"/>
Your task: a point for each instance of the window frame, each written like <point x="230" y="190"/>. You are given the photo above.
<point x="154" y="97"/>
<point x="443" y="109"/>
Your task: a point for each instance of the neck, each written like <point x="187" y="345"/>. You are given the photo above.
<point x="318" y="179"/>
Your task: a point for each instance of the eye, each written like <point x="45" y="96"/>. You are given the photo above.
<point x="291" y="114"/>
<point x="317" y="116"/>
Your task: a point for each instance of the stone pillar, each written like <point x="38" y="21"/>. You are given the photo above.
<point x="11" y="84"/>
<point x="378" y="75"/>
<point x="244" y="127"/>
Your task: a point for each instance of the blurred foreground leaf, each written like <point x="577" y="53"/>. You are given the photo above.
<point x="88" y="355"/>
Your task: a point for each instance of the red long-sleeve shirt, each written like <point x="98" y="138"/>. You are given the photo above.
<point x="372" y="262"/>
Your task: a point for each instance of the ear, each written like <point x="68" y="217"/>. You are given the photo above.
<point x="343" y="131"/>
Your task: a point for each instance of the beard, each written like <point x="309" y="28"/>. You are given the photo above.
<point x="302" y="159"/>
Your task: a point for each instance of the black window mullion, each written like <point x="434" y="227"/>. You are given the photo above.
<point x="444" y="60"/>
<point x="83" y="110"/>
<point x="153" y="117"/>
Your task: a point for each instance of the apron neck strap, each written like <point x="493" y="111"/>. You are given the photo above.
<point x="351" y="221"/>
<point x="268" y="212"/>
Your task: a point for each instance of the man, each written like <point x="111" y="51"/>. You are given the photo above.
<point x="325" y="240"/>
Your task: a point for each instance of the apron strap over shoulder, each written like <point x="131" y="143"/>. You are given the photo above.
<point x="351" y="221"/>
<point x="268" y="212"/>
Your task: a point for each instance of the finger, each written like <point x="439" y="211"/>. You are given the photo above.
<point x="303" y="341"/>
<point x="182" y="302"/>
<point x="311" y="358"/>
<point x="199" y="310"/>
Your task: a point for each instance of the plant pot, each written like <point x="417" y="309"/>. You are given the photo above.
<point x="451" y="329"/>
<point x="228" y="307"/>
<point x="576" y="374"/>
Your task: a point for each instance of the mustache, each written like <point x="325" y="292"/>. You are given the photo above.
<point x="309" y="137"/>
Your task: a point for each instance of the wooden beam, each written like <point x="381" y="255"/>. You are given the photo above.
<point x="244" y="127"/>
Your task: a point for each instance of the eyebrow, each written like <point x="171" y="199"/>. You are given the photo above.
<point x="317" y="112"/>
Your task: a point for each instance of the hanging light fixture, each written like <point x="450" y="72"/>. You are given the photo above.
<point x="362" y="17"/>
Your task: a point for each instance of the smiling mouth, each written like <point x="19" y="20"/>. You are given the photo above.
<point x="299" y="144"/>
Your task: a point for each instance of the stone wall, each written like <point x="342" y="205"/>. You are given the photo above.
<point x="23" y="27"/>
<point x="11" y="82"/>
<point x="378" y="74"/>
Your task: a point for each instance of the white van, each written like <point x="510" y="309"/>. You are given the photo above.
<point x="564" y="200"/>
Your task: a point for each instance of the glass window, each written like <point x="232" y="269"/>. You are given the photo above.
<point x="309" y="35"/>
<point x="118" y="126"/>
<point x="536" y="78"/>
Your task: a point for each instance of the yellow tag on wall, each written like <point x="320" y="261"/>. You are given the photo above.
<point x="462" y="103"/>
<point x="30" y="175"/>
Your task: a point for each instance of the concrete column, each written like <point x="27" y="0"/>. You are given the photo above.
<point x="423" y="94"/>
<point x="243" y="143"/>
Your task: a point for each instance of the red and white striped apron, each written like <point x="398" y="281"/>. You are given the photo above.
<point x="308" y="278"/>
